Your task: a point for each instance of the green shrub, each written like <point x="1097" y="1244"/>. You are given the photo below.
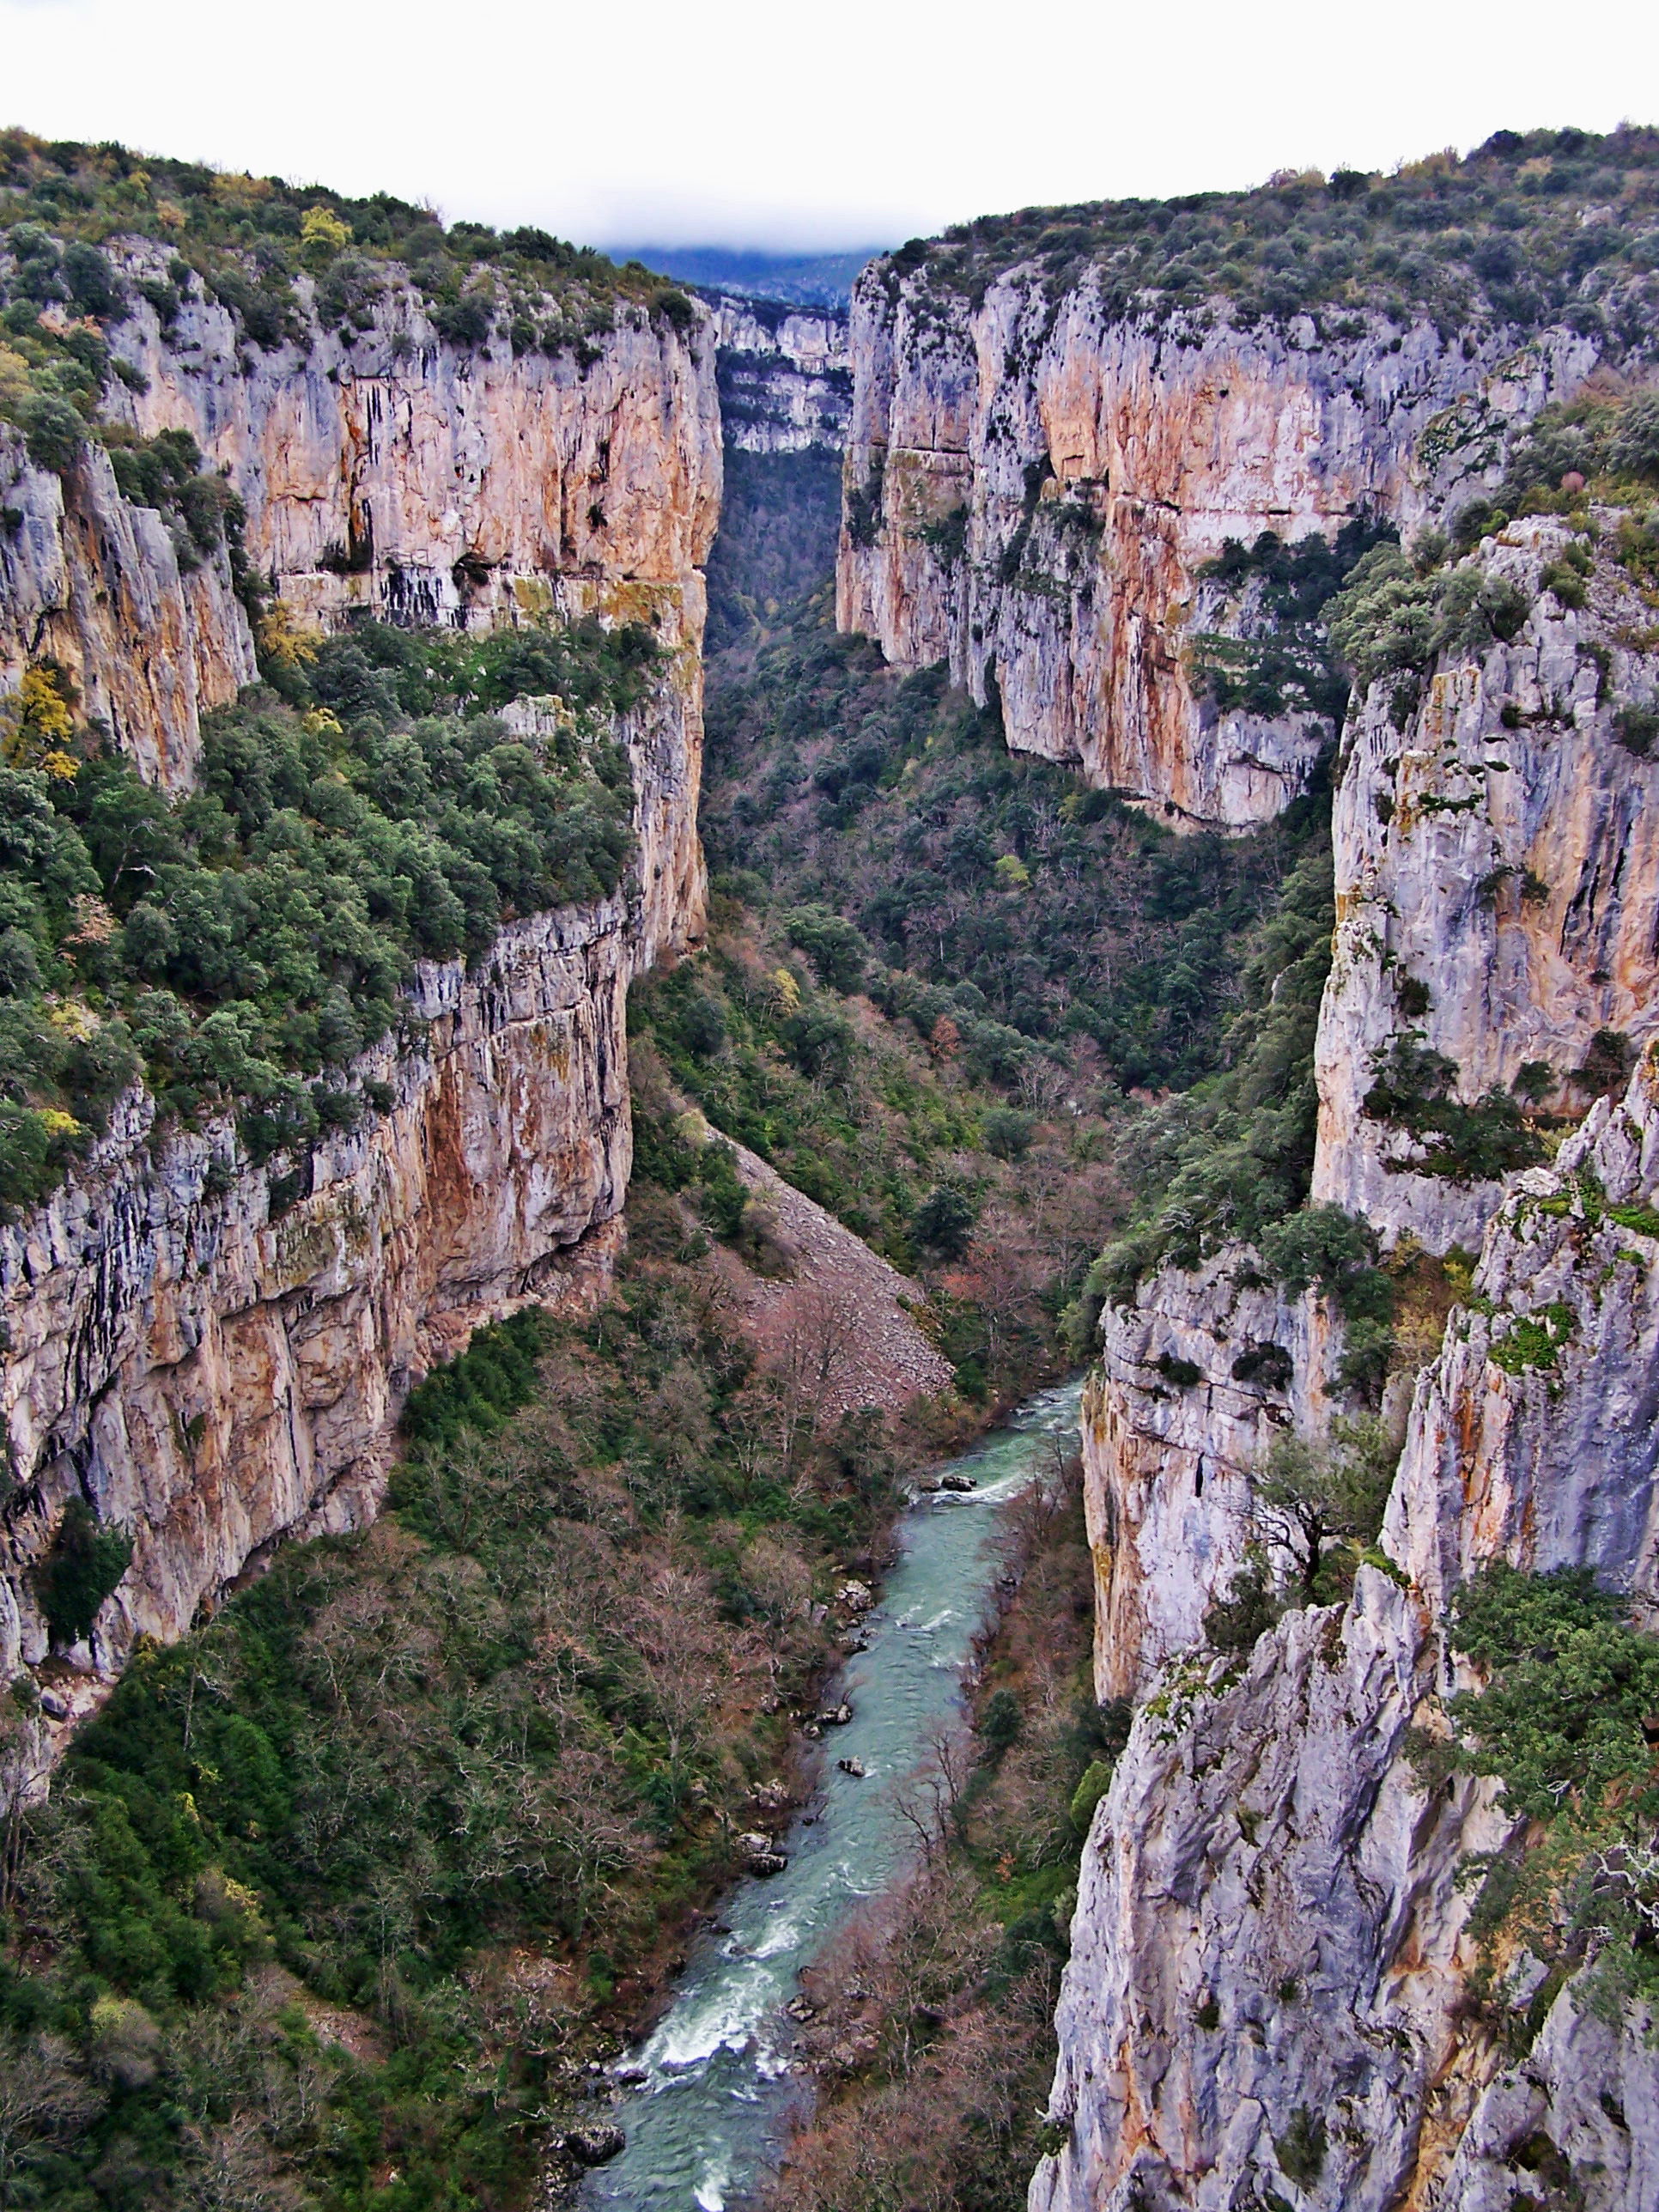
<point x="93" y="284"/>
<point x="255" y="936"/>
<point x="1008" y="1133"/>
<point x="1633" y="447"/>
<point x="1572" y="1685"/>
<point x="1301" y="2149"/>
<point x="84" y="1567"/>
<point x="1636" y="728"/>
<point x="1466" y="1142"/>
<point x="1485" y="247"/>
<point x="1236" y="1156"/>
<point x="944" y="1222"/>
<point x="54" y="432"/>
<point x="482" y="1386"/>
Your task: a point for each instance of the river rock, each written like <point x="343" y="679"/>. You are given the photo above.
<point x="958" y="1482"/>
<point x="855" y="1596"/>
<point x="595" y="2143"/>
<point x="855" y="1767"/>
<point x="836" y="1716"/>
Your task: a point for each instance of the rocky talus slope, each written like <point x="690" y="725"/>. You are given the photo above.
<point x="1034" y="487"/>
<point x="211" y="1353"/>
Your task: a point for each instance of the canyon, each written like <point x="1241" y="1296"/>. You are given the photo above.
<point x="1076" y="505"/>
<point x="1268" y="1999"/>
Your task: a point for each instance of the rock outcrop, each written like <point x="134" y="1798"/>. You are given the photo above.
<point x="383" y="472"/>
<point x="1497" y="884"/>
<point x="212" y="1354"/>
<point x="786" y="380"/>
<point x="96" y="584"/>
<point x="1268" y="1992"/>
<point x="1195" y="1378"/>
<point x="1034" y="488"/>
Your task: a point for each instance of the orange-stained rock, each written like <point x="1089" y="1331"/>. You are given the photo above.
<point x="1089" y="467"/>
<point x="216" y="1362"/>
<point x="387" y="472"/>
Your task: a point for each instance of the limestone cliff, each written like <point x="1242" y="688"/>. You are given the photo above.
<point x="1272" y="1932"/>
<point x="1497" y="882"/>
<point x="784" y="378"/>
<point x="1195" y="1379"/>
<point x="212" y="1353"/>
<point x="1034" y="487"/>
<point x="383" y="471"/>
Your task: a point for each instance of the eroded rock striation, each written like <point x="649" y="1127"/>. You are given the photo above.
<point x="786" y="380"/>
<point x="1496" y="884"/>
<point x="1035" y="486"/>
<point x="1270" y="1994"/>
<point x="382" y="471"/>
<point x="212" y="1354"/>
<point x="1272" y="1949"/>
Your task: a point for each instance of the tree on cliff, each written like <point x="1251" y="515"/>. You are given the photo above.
<point x="1313" y="1495"/>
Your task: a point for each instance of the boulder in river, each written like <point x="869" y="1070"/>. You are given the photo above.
<point x="595" y="2143"/>
<point x="855" y="1767"/>
<point x="762" y="1855"/>
<point x="958" y="1482"/>
<point x="836" y="1716"/>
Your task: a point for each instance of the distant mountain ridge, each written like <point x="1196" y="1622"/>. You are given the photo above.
<point x="813" y="280"/>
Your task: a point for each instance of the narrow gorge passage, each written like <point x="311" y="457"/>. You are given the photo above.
<point x="719" y="2089"/>
<point x="626" y="914"/>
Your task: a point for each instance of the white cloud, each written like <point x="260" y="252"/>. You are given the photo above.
<point x="750" y="122"/>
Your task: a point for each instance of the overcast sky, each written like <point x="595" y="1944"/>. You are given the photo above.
<point x="740" y="122"/>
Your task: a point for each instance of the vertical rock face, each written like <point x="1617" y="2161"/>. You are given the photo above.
<point x="1034" y="488"/>
<point x="1195" y="1378"/>
<point x="786" y="380"/>
<point x="384" y="471"/>
<point x="95" y="584"/>
<point x="1497" y="884"/>
<point x="1271" y="1947"/>
<point x="213" y="1354"/>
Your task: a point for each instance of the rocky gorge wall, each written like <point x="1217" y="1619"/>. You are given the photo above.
<point x="785" y="381"/>
<point x="1270" y="1926"/>
<point x="1497" y="882"/>
<point x="1274" y="1918"/>
<point x="384" y="471"/>
<point x="1034" y="486"/>
<point x="1497" y="904"/>
<point x="213" y="1354"/>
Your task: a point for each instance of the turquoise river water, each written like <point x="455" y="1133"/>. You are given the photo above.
<point x="708" y="2120"/>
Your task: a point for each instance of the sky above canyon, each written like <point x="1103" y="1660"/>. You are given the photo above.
<point x="809" y="128"/>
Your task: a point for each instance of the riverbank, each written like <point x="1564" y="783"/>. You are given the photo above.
<point x="721" y="2073"/>
<point x="929" y="2031"/>
<point x="346" y="1893"/>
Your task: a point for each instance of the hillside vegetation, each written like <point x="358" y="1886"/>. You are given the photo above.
<point x="1530" y="228"/>
<point x="242" y="945"/>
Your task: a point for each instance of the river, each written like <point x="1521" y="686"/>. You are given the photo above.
<point x="718" y="2094"/>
